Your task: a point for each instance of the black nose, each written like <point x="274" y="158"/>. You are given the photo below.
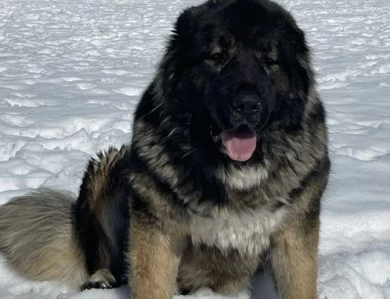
<point x="247" y="104"/>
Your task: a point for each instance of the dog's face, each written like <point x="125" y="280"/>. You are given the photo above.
<point x="246" y="61"/>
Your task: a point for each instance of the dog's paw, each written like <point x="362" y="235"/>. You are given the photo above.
<point x="101" y="279"/>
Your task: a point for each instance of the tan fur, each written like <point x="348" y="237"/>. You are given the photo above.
<point x="99" y="187"/>
<point x="101" y="216"/>
<point x="295" y="248"/>
<point x="153" y="258"/>
<point x="36" y="236"/>
<point x="224" y="272"/>
<point x="233" y="218"/>
<point x="294" y="261"/>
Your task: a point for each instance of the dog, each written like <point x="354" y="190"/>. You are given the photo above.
<point x="224" y="174"/>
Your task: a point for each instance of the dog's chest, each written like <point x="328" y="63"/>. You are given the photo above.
<point x="249" y="233"/>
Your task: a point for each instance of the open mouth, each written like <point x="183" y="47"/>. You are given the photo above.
<point x="240" y="143"/>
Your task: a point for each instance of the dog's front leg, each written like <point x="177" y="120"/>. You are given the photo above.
<point x="153" y="258"/>
<point x="294" y="260"/>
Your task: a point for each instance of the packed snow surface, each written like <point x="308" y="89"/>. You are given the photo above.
<point x="72" y="71"/>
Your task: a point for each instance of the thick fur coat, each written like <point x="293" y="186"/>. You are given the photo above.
<point x="224" y="175"/>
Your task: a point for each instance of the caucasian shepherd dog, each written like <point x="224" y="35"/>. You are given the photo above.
<point x="224" y="175"/>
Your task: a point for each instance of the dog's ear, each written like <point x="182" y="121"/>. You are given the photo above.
<point x="187" y="21"/>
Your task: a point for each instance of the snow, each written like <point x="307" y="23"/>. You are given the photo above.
<point x="71" y="73"/>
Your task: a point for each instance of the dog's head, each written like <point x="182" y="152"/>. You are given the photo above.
<point x="246" y="63"/>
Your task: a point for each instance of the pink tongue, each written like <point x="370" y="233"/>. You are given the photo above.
<point x="240" y="144"/>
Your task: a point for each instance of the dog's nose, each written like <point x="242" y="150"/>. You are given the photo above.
<point x="248" y="104"/>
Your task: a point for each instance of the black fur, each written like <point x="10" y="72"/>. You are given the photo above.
<point x="196" y="91"/>
<point x="236" y="68"/>
<point x="99" y="250"/>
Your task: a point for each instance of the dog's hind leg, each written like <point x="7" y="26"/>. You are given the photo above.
<point x="102" y="218"/>
<point x="101" y="279"/>
<point x="48" y="235"/>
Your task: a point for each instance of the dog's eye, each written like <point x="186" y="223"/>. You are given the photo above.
<point x="270" y="61"/>
<point x="218" y="56"/>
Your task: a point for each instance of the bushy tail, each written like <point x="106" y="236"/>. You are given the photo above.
<point x="38" y="239"/>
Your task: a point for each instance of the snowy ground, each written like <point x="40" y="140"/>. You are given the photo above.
<point x="71" y="72"/>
